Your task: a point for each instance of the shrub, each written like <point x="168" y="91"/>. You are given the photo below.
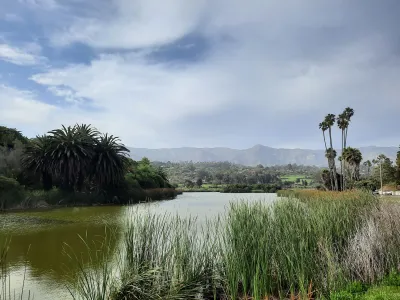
<point x="11" y="193"/>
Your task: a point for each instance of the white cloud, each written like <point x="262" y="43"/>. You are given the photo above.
<point x="133" y="24"/>
<point x="21" y="56"/>
<point x="22" y="108"/>
<point x="267" y="64"/>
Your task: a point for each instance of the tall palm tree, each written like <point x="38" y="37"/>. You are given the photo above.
<point x="324" y="127"/>
<point x="109" y="161"/>
<point x="330" y="120"/>
<point x="348" y="113"/>
<point x="342" y="124"/>
<point x="71" y="154"/>
<point x="343" y="121"/>
<point x="35" y="158"/>
<point x="331" y="155"/>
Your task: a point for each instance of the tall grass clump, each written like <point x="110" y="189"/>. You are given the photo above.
<point x="291" y="247"/>
<point x="168" y="258"/>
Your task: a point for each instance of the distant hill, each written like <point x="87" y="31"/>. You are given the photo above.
<point x="258" y="154"/>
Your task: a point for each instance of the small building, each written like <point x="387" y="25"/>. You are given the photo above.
<point x="390" y="190"/>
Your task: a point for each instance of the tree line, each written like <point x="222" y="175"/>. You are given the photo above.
<point x="192" y="174"/>
<point x="75" y="159"/>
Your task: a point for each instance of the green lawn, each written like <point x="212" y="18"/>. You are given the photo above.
<point x="294" y="177"/>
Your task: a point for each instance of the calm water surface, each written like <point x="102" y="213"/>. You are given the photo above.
<point x="39" y="239"/>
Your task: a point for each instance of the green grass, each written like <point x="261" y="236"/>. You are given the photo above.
<point x="383" y="293"/>
<point x="294" y="177"/>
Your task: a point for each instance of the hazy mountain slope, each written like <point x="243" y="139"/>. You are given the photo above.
<point x="256" y="155"/>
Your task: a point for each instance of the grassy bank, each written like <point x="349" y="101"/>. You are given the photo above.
<point x="319" y="247"/>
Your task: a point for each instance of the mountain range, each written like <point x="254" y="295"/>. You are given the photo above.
<point x="258" y="154"/>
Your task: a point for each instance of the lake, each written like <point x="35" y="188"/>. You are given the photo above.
<point x="40" y="240"/>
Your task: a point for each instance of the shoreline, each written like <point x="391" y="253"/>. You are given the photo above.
<point x="44" y="206"/>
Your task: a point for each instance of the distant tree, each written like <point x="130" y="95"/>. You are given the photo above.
<point x="145" y="161"/>
<point x="297" y="180"/>
<point x="368" y="165"/>
<point x="384" y="170"/>
<point x="189" y="183"/>
<point x="202" y="173"/>
<point x="353" y="158"/>
<point x="199" y="182"/>
<point x="8" y="136"/>
<point x="305" y="183"/>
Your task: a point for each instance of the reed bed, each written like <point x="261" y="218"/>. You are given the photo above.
<point x="304" y="248"/>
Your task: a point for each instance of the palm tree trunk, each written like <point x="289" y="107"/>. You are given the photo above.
<point x="323" y="133"/>
<point x="329" y="161"/>
<point x="333" y="161"/>
<point x="47" y="181"/>
<point x="342" y="163"/>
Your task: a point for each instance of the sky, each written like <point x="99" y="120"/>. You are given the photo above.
<point x="202" y="73"/>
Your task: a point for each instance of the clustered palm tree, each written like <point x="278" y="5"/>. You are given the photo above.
<point x="74" y="154"/>
<point x="350" y="156"/>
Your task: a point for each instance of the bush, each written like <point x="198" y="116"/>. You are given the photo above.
<point x="11" y="193"/>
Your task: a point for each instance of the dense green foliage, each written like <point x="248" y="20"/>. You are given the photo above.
<point x="189" y="174"/>
<point x="254" y="188"/>
<point x="74" y="164"/>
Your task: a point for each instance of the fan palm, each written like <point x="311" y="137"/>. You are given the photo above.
<point x="330" y="120"/>
<point x="343" y="121"/>
<point x="36" y="159"/>
<point x="109" y="161"/>
<point x="353" y="158"/>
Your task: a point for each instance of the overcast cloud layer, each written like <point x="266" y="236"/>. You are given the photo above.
<point x="204" y="72"/>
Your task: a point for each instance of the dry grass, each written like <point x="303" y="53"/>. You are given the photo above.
<point x="373" y="251"/>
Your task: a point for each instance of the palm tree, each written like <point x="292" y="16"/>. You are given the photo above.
<point x="324" y="127"/>
<point x="331" y="155"/>
<point x="342" y="124"/>
<point x="330" y="121"/>
<point x="35" y="158"/>
<point x="109" y="161"/>
<point x="368" y="165"/>
<point x="353" y="158"/>
<point x="343" y="121"/>
<point x="71" y="154"/>
<point x="348" y="113"/>
<point x="90" y="134"/>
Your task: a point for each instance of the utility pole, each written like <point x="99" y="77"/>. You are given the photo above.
<point x="381" y="178"/>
